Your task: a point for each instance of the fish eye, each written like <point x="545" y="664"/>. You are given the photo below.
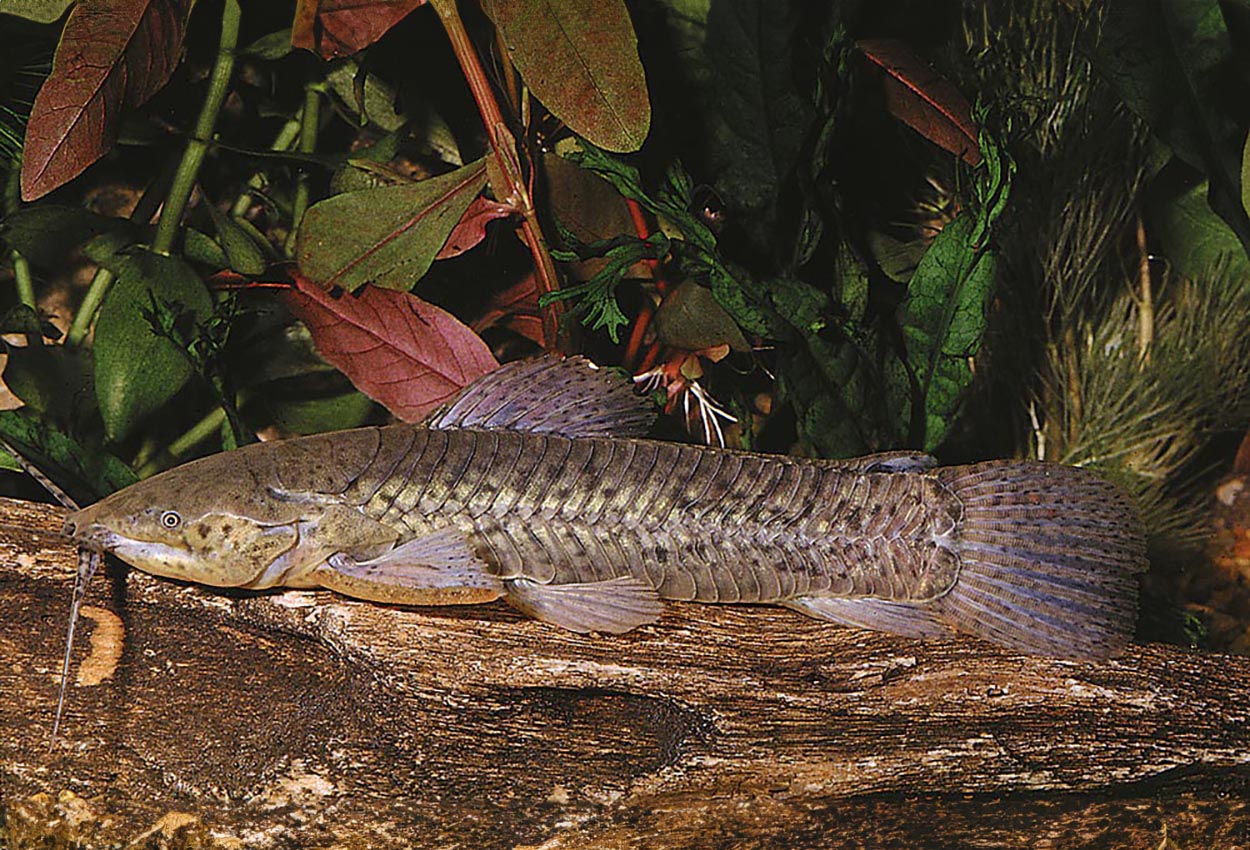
<point x="171" y="519"/>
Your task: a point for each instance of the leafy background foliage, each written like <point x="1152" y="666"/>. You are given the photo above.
<point x="970" y="227"/>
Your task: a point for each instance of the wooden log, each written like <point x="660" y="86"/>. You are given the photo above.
<point x="203" y="718"/>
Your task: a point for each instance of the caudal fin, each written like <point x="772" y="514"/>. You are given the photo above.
<point x="1049" y="557"/>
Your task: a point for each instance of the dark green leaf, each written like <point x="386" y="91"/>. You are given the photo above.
<point x="199" y="247"/>
<point x="318" y="415"/>
<point x="761" y="116"/>
<point x="1245" y="175"/>
<point x="1195" y="240"/>
<point x="137" y="371"/>
<point x="853" y="278"/>
<point x="87" y="475"/>
<point x="1172" y="63"/>
<point x="22" y="319"/>
<point x="366" y="96"/>
<point x="46" y="234"/>
<point x="897" y="259"/>
<point x="51" y="380"/>
<point x="943" y="321"/>
<point x="275" y="45"/>
<point x="833" y="401"/>
<point x="243" y="254"/>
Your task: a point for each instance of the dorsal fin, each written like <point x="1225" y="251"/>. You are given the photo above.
<point x="550" y="395"/>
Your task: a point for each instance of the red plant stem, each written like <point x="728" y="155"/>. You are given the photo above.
<point x="641" y="226"/>
<point x="641" y="322"/>
<point x="653" y="354"/>
<point x="506" y="174"/>
<point x="643" y="229"/>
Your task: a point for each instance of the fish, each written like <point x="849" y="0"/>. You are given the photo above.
<point x="538" y="485"/>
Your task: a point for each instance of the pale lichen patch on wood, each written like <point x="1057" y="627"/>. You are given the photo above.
<point x="104" y="647"/>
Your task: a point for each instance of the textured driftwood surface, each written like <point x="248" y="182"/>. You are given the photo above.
<point x="306" y="720"/>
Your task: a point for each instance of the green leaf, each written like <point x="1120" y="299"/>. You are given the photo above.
<point x="760" y="116"/>
<point x="199" y="247"/>
<point x="943" y="320"/>
<point x="273" y="46"/>
<point x="595" y="299"/>
<point x="243" y="254"/>
<point x="853" y="279"/>
<point x="689" y="317"/>
<point x="1172" y="63"/>
<point x="40" y="11"/>
<point x="580" y="58"/>
<point x="366" y="96"/>
<point x="63" y="459"/>
<point x="318" y="415"/>
<point x="1245" y="175"/>
<point x="23" y="319"/>
<point x="51" y="380"/>
<point x="46" y="233"/>
<point x="137" y="371"/>
<point x="387" y="236"/>
<point x="1194" y="239"/>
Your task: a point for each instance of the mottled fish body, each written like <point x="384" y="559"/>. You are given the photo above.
<point x="535" y="486"/>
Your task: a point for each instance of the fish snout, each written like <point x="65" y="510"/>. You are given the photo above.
<point x="86" y="533"/>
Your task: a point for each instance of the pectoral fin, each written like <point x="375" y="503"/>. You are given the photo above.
<point x="436" y="569"/>
<point x="614" y="606"/>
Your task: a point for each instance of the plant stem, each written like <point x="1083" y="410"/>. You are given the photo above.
<point x="307" y="144"/>
<point x="1145" y="304"/>
<point x="198" y="433"/>
<point x="12" y="202"/>
<point x="507" y="170"/>
<point x="101" y="283"/>
<point x="23" y="280"/>
<point x="197" y="146"/>
<point x="282" y="142"/>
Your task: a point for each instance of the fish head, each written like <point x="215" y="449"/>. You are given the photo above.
<point x="178" y="526"/>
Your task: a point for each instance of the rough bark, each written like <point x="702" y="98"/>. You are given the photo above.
<point x="201" y="718"/>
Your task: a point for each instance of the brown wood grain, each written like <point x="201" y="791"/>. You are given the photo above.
<point x="208" y="719"/>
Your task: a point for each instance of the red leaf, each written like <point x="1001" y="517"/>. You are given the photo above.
<point x="113" y="54"/>
<point x="399" y="350"/>
<point x="516" y="308"/>
<point x="923" y="99"/>
<point x="580" y="58"/>
<point x="471" y="229"/>
<point x="346" y="26"/>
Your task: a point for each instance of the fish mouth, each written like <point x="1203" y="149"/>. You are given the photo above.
<point x="156" y="558"/>
<point x="91" y="536"/>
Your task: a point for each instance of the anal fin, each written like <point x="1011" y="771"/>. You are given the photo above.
<point x="614" y="606"/>
<point x="883" y="615"/>
<point x="435" y="569"/>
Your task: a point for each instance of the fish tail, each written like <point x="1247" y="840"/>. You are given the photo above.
<point x="1049" y="556"/>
